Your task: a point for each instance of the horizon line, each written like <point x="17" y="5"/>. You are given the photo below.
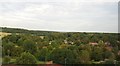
<point x="57" y="30"/>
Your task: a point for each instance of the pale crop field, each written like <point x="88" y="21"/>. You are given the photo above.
<point x="3" y="34"/>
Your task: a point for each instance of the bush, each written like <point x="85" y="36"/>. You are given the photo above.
<point x="6" y="60"/>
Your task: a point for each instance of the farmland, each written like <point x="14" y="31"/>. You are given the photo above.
<point x="3" y="34"/>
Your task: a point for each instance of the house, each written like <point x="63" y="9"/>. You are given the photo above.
<point x="50" y="42"/>
<point x="65" y="41"/>
<point x="93" y="43"/>
<point x="42" y="37"/>
<point x="71" y="42"/>
<point x="49" y="62"/>
<point x="44" y="47"/>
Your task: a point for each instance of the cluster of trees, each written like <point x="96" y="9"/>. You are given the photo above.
<point x="61" y="48"/>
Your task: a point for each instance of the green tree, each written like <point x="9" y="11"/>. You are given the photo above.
<point x="20" y="41"/>
<point x="26" y="58"/>
<point x="109" y="55"/>
<point x="97" y="53"/>
<point x="30" y="46"/>
<point x="118" y="57"/>
<point x="17" y="51"/>
<point x="63" y="56"/>
<point x="42" y="54"/>
<point x="84" y="57"/>
<point x="14" y="38"/>
<point x="9" y="48"/>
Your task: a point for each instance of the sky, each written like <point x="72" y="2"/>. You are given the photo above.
<point x="62" y="15"/>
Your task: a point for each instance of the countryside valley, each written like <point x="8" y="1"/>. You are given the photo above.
<point x="21" y="46"/>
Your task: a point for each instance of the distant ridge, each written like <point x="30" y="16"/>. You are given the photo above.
<point x="20" y="30"/>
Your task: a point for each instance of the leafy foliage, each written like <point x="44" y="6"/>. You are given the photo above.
<point x="30" y="47"/>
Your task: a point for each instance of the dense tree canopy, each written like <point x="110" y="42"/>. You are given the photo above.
<point x="31" y="47"/>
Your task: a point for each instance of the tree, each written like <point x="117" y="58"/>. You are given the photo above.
<point x="63" y="56"/>
<point x="14" y="38"/>
<point x="101" y="43"/>
<point x="109" y="55"/>
<point x="83" y="57"/>
<point x="42" y="54"/>
<point x="118" y="57"/>
<point x="17" y="51"/>
<point x="97" y="53"/>
<point x="77" y="43"/>
<point x="26" y="58"/>
<point x="20" y="41"/>
<point x="30" y="46"/>
<point x="9" y="48"/>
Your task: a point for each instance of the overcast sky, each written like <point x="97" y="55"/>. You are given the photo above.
<point x="68" y="15"/>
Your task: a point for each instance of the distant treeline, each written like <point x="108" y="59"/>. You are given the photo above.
<point x="18" y="30"/>
<point x="80" y="37"/>
<point x="38" y="32"/>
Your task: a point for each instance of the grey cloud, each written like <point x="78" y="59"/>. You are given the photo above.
<point x="61" y="16"/>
